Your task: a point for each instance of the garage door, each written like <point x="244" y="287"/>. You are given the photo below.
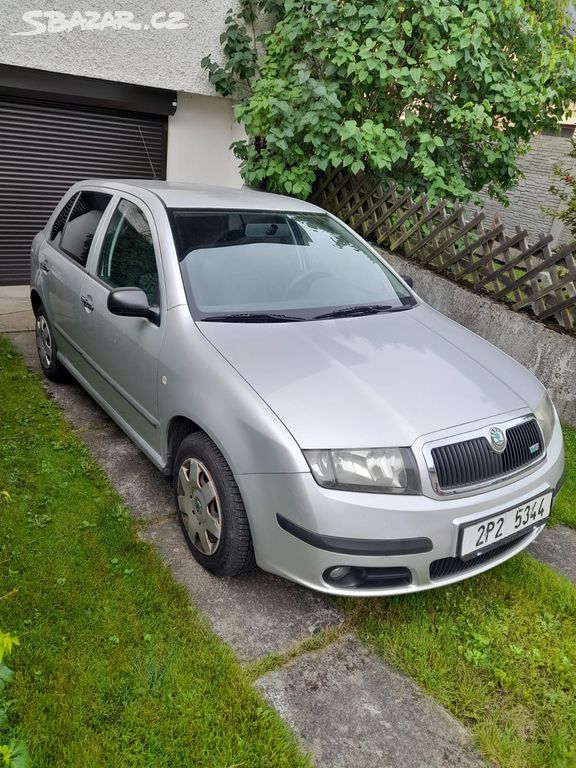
<point x="46" y="147"/>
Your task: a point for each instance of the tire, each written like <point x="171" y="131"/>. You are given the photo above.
<point x="47" y="349"/>
<point x="210" y="509"/>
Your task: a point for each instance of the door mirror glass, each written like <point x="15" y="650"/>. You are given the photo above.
<point x="132" y="302"/>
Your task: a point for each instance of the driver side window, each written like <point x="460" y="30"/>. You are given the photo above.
<point x="127" y="258"/>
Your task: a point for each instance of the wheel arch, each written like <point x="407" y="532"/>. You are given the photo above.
<point x="179" y="427"/>
<point x="35" y="300"/>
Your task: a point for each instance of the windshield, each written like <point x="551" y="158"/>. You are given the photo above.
<point x="256" y="266"/>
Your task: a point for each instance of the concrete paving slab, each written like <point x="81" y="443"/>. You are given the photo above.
<point x="143" y="488"/>
<point x="17" y="321"/>
<point x="255" y="614"/>
<point x="556" y="547"/>
<point x="15" y="310"/>
<point x="83" y="413"/>
<point x="14" y="298"/>
<point x="350" y="710"/>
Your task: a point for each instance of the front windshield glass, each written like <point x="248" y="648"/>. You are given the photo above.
<point x="251" y="264"/>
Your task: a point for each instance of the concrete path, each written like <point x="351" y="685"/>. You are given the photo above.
<point x="557" y="548"/>
<point x="350" y="709"/>
<point x="15" y="311"/>
<point x="346" y="706"/>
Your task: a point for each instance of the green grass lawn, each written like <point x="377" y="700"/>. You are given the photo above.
<point x="498" y="651"/>
<point x="115" y="667"/>
<point x="565" y="508"/>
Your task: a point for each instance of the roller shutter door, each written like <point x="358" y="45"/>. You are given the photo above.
<point x="46" y="147"/>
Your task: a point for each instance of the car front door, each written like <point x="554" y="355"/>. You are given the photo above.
<point x="122" y="352"/>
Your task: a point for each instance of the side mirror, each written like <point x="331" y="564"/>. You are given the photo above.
<point x="408" y="280"/>
<point x="132" y="302"/>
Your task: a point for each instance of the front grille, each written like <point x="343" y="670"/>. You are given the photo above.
<point x="473" y="461"/>
<point x="448" y="566"/>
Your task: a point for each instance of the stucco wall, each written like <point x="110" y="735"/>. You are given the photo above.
<point x="199" y="138"/>
<point x="162" y="58"/>
<point x="547" y="353"/>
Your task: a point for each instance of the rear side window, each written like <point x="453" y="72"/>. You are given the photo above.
<point x="58" y="226"/>
<point x="82" y="223"/>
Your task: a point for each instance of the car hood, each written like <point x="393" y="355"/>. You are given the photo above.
<point x="381" y="380"/>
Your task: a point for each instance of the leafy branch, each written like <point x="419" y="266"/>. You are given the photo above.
<point x="437" y="96"/>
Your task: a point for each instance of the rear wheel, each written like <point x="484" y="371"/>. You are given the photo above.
<point x="47" y="349"/>
<point x="210" y="508"/>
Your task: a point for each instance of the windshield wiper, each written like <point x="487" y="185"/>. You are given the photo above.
<point x="252" y="317"/>
<point x="362" y="309"/>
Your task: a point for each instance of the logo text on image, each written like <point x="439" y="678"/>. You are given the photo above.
<point x="52" y="22"/>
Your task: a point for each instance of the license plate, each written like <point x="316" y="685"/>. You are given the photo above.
<point x="483" y="535"/>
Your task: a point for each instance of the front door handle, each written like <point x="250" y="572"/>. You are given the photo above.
<point x="44" y="266"/>
<point x="87" y="301"/>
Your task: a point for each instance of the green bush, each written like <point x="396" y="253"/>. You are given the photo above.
<point x="441" y="96"/>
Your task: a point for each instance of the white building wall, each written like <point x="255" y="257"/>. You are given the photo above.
<point x="199" y="139"/>
<point x="93" y="39"/>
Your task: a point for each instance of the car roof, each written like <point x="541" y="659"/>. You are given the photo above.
<point x="180" y="195"/>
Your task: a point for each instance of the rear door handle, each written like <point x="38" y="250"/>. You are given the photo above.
<point x="44" y="266"/>
<point x="87" y="301"/>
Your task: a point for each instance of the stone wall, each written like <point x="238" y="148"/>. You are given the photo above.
<point x="533" y="192"/>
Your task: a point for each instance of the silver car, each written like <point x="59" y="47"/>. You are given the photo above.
<point x="316" y="416"/>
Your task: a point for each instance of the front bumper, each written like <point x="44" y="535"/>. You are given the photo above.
<point x="301" y="530"/>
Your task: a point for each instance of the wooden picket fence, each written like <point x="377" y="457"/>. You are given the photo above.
<point x="445" y="239"/>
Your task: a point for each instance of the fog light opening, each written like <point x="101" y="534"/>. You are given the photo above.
<point x="357" y="577"/>
<point x="340" y="572"/>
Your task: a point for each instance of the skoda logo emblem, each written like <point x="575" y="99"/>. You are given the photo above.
<point x="497" y="439"/>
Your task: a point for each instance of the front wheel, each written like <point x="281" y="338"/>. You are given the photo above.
<point x="47" y="349"/>
<point x="210" y="509"/>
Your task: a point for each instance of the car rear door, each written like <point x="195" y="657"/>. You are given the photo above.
<point x="122" y="352"/>
<point x="62" y="262"/>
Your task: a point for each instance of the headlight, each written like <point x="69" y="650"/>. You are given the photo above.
<point x="546" y="416"/>
<point x="373" y="470"/>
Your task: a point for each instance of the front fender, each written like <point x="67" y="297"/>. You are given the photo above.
<point x="202" y="386"/>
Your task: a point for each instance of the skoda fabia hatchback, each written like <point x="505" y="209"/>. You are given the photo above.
<point x="316" y="416"/>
